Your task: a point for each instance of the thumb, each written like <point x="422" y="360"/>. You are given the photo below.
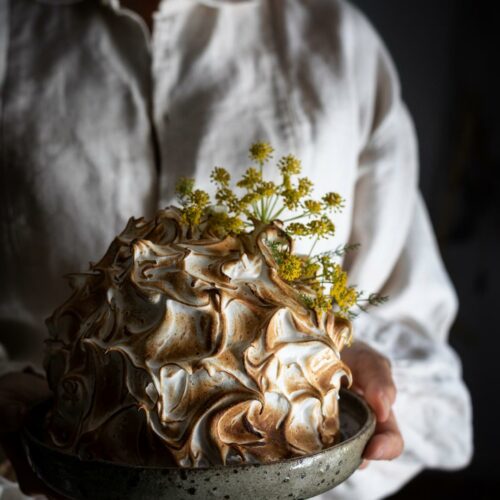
<point x="12" y="414"/>
<point x="29" y="483"/>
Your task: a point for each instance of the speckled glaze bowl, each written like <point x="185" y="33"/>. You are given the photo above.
<point x="295" y="478"/>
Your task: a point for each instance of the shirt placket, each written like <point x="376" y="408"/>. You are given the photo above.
<point x="165" y="53"/>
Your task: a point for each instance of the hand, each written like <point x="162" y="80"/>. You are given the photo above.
<point x="372" y="378"/>
<point x="18" y="393"/>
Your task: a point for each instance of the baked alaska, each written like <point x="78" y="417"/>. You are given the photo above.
<point x="189" y="345"/>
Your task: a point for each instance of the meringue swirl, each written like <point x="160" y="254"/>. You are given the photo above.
<point x="181" y="348"/>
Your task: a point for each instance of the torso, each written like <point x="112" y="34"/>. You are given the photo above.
<point x="79" y="122"/>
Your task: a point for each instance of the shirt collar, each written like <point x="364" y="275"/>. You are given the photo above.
<point x="58" y="2"/>
<point x="213" y="3"/>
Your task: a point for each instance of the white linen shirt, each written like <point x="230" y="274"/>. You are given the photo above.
<point x="99" y="118"/>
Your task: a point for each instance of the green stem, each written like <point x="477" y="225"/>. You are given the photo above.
<point x="278" y="213"/>
<point x="256" y="211"/>
<point x="262" y="199"/>
<point x="271" y="203"/>
<point x="266" y="210"/>
<point x="273" y="206"/>
<point x="305" y="214"/>
<point x="313" y="245"/>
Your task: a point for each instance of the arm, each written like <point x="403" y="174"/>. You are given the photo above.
<point x="432" y="406"/>
<point x="399" y="258"/>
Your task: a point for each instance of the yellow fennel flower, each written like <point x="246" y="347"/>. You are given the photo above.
<point x="261" y="152"/>
<point x="321" y="227"/>
<point x="305" y="186"/>
<point x="298" y="229"/>
<point x="262" y="201"/>
<point x="309" y="270"/>
<point x="313" y="206"/>
<point x="250" y="179"/>
<point x="345" y="297"/>
<point x="192" y="215"/>
<point x="290" y="267"/>
<point x="289" y="165"/>
<point x="220" y="176"/>
<point x="226" y="198"/>
<point x="200" y="198"/>
<point x="267" y="188"/>
<point x="234" y="225"/>
<point x="248" y="199"/>
<point x="220" y="223"/>
<point x="291" y="198"/>
<point x="321" y="302"/>
<point x="333" y="200"/>
<point x="184" y="188"/>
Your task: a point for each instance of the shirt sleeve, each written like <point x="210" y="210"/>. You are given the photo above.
<point x="9" y="366"/>
<point x="8" y="489"/>
<point x="399" y="257"/>
<point x="4" y="36"/>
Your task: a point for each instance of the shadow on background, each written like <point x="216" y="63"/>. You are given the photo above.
<point x="446" y="55"/>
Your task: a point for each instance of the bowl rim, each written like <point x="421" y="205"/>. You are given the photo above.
<point x="30" y="437"/>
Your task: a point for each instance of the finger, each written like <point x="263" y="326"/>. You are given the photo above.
<point x="18" y="393"/>
<point x="25" y="388"/>
<point x="29" y="483"/>
<point x="374" y="379"/>
<point x="364" y="464"/>
<point x="387" y="442"/>
<point x="12" y="414"/>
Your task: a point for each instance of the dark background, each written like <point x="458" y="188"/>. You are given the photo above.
<point x="447" y="56"/>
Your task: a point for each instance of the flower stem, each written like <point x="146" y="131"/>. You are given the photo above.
<point x="273" y="206"/>
<point x="305" y="214"/>
<point x="278" y="213"/>
<point x="265" y="217"/>
<point x="313" y="245"/>
<point x="256" y="211"/>
<point x="262" y="199"/>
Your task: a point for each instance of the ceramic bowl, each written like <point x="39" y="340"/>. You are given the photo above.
<point x="295" y="478"/>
